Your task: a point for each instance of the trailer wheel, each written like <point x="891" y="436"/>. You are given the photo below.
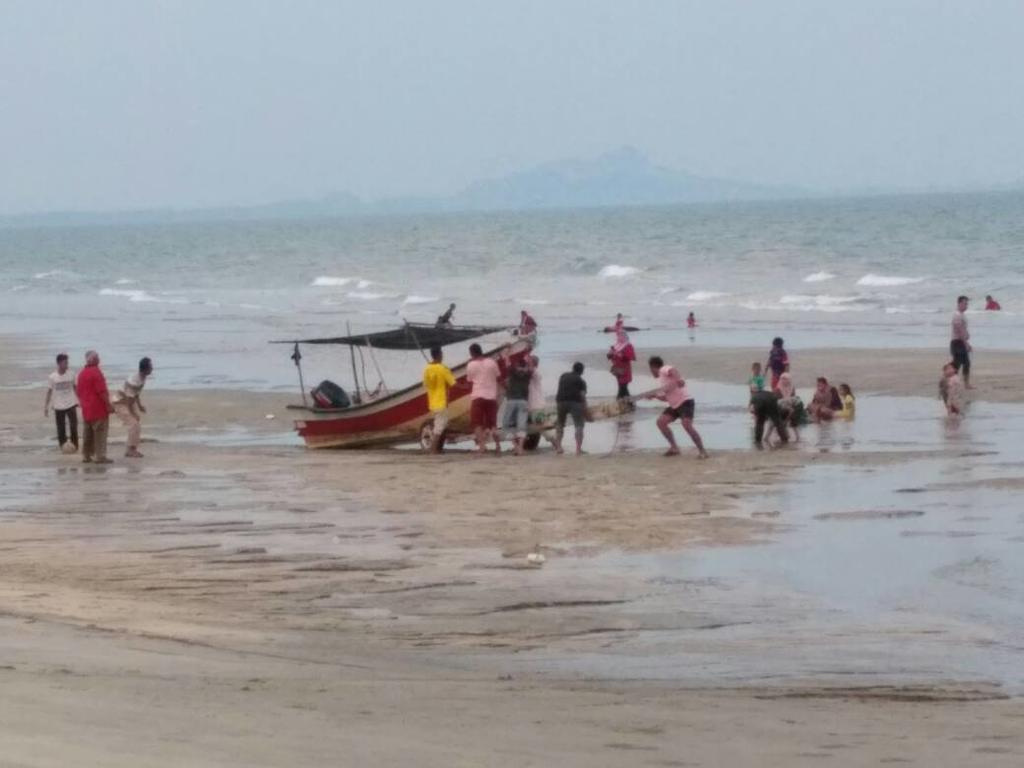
<point x="426" y="435"/>
<point x="531" y="441"/>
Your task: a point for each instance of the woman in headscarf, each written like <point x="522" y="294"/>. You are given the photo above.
<point x="622" y="356"/>
<point x="790" y="404"/>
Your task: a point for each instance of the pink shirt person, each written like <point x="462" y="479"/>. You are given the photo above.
<point x="483" y="373"/>
<point x="671" y="387"/>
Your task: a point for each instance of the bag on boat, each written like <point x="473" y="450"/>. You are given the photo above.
<point x="327" y="394"/>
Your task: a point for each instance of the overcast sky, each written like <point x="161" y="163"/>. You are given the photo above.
<point x="137" y="103"/>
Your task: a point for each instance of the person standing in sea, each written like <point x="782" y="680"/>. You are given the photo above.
<point x="679" y="405"/>
<point x="622" y="356"/>
<point x="437" y="380"/>
<point x="960" y="342"/>
<point x="62" y="396"/>
<point x="483" y="374"/>
<point x="96" y="409"/>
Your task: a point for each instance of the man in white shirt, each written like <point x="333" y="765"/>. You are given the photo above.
<point x="61" y="394"/>
<point x="960" y="342"/>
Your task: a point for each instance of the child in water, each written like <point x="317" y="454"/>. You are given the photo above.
<point x="756" y="380"/>
<point x="849" y="409"/>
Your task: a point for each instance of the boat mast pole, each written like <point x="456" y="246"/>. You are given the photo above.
<point x="352" y="352"/>
<point x="297" y="357"/>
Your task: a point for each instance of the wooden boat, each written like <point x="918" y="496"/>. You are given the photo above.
<point x="400" y="416"/>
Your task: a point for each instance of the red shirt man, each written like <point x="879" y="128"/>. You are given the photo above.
<point x="96" y="409"/>
<point x="92" y="392"/>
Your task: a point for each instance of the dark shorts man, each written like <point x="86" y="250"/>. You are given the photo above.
<point x="961" y="356"/>
<point x="686" y="410"/>
<point x="483" y="413"/>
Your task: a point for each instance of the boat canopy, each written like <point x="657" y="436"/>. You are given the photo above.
<point x="410" y="336"/>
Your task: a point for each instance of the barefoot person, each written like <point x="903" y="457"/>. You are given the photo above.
<point x="672" y="390"/>
<point x="483" y="374"/>
<point x="96" y="409"/>
<point x="129" y="408"/>
<point x="571" y="400"/>
<point x="960" y="342"/>
<point x="778" y="361"/>
<point x="437" y="380"/>
<point x="60" y="393"/>
<point x="765" y="407"/>
<point x="517" y="400"/>
<point x="951" y="388"/>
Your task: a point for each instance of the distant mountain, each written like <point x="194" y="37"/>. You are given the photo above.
<point x="622" y="177"/>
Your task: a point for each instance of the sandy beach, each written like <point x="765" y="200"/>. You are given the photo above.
<point x="234" y="599"/>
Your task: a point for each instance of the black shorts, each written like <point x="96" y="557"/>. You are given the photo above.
<point x="684" y="411"/>
<point x="961" y="357"/>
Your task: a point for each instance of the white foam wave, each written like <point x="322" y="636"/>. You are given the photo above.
<point x="532" y="301"/>
<point x="412" y="298"/>
<point x="888" y="280"/>
<point x="819" y="277"/>
<point x="126" y="281"/>
<point x="616" y="270"/>
<point x="370" y="295"/>
<point x="55" y="273"/>
<point x="706" y="295"/>
<point x="821" y="300"/>
<point x="326" y="281"/>
<point x="140" y="296"/>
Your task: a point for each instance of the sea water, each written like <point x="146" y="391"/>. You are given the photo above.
<point x="204" y="299"/>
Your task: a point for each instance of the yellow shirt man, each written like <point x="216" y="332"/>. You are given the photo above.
<point x="437" y="380"/>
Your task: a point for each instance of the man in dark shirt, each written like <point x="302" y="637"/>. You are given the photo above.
<point x="445" y="320"/>
<point x="571" y="400"/>
<point x="517" y="399"/>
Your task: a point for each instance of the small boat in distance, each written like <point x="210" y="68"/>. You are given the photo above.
<point x="383" y="417"/>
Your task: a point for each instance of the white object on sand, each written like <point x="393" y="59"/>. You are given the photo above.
<point x="270" y="415"/>
<point x="535" y="558"/>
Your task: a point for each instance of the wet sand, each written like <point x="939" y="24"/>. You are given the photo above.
<point x="236" y="600"/>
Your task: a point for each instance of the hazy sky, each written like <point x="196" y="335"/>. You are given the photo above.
<point x="110" y="104"/>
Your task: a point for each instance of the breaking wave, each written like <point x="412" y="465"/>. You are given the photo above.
<point x="412" y="298"/>
<point x="617" y="270"/>
<point x="819" y="277"/>
<point x="326" y="281"/>
<point x="888" y="280"/>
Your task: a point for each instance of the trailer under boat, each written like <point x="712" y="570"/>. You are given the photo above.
<point x="384" y="417"/>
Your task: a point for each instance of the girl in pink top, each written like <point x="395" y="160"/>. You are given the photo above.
<point x="672" y="389"/>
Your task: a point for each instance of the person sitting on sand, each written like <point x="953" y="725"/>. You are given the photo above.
<point x="765" y="407"/>
<point x="571" y="400"/>
<point x="622" y="356"/>
<point x="445" y="320"/>
<point x="991" y="305"/>
<point x="849" y="402"/>
<point x="437" y="380"/>
<point x="778" y="361"/>
<point x="821" y="407"/>
<point x="128" y="406"/>
<point x="952" y="390"/>
<point x="680" y="405"/>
